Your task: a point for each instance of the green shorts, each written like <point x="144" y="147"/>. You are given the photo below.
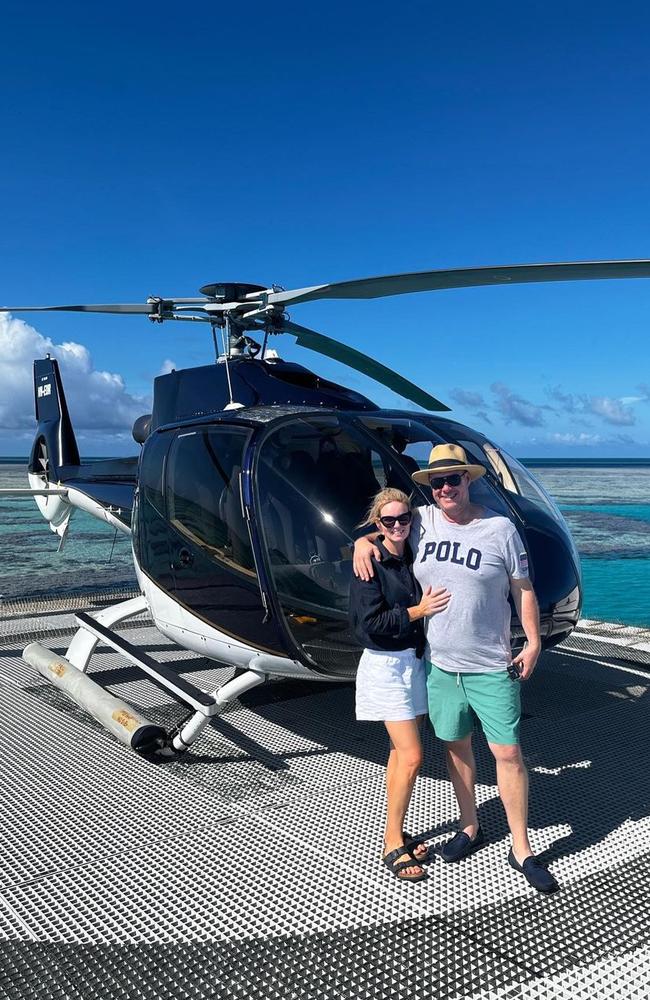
<point x="455" y="698"/>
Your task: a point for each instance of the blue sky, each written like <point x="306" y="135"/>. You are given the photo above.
<point x="149" y="150"/>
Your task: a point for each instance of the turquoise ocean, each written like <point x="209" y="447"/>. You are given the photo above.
<point x="606" y="505"/>
<point x="607" y="508"/>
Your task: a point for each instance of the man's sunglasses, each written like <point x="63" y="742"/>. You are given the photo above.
<point x="437" y="482"/>
<point x="389" y="522"/>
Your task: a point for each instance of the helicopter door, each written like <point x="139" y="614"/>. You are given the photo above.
<point x="314" y="479"/>
<point x="150" y="528"/>
<point x="212" y="562"/>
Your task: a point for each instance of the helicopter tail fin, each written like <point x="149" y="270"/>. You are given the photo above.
<point x="55" y="445"/>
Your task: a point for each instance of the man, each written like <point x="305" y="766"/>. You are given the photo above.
<point x="478" y="556"/>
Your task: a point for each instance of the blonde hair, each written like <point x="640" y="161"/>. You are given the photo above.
<point x="389" y="495"/>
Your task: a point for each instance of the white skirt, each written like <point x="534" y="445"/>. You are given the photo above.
<point x="391" y="686"/>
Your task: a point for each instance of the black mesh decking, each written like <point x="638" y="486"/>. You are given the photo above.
<point x="251" y="866"/>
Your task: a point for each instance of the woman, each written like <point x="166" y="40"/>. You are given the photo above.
<point x="386" y="614"/>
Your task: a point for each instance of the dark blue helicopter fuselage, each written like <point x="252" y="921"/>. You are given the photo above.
<point x="245" y="516"/>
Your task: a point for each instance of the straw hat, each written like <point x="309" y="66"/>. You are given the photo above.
<point x="446" y="459"/>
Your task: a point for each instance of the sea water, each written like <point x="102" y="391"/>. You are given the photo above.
<point x="607" y="508"/>
<point x="93" y="557"/>
<point x="606" y="505"/>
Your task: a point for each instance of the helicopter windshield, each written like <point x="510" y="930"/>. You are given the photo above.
<point x="413" y="441"/>
<point x="513" y="476"/>
<point x="518" y="479"/>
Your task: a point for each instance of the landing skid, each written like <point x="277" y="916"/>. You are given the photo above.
<point x="69" y="673"/>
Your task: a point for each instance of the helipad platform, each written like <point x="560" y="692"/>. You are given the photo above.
<point x="250" y="868"/>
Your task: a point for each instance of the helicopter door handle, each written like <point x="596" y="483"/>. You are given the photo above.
<point x="185" y="558"/>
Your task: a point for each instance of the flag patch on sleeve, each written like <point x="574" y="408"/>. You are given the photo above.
<point x="523" y="562"/>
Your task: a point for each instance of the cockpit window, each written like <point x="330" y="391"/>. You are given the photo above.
<point x="316" y="479"/>
<point x="203" y="492"/>
<point x="413" y="441"/>
<point x="501" y="470"/>
<point x="410" y="440"/>
<point x="516" y="478"/>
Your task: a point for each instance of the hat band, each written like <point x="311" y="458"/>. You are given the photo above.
<point x="445" y="463"/>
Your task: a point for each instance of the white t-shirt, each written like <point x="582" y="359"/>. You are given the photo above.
<point x="475" y="562"/>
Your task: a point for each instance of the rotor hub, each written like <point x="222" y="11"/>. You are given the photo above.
<point x="230" y="291"/>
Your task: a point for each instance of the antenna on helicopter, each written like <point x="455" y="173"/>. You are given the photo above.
<point x="229" y="343"/>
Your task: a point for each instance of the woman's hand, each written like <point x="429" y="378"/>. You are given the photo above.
<point x="432" y="603"/>
<point x="364" y="553"/>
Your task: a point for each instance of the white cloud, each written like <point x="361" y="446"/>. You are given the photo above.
<point x="517" y="410"/>
<point x="567" y="400"/>
<point x="612" y="411"/>
<point x="98" y="401"/>
<point x="628" y="400"/>
<point x="590" y="440"/>
<point x="167" y="366"/>
<point x="471" y="399"/>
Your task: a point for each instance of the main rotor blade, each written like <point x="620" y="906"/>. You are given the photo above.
<point x="362" y="363"/>
<point x="121" y="307"/>
<point x="429" y="281"/>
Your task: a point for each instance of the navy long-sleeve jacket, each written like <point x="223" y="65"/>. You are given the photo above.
<point x="378" y="614"/>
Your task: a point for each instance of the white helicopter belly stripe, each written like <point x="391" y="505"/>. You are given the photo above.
<point x="84" y="502"/>
<point x="191" y="632"/>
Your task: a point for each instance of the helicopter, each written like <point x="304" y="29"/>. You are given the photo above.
<point x="253" y="477"/>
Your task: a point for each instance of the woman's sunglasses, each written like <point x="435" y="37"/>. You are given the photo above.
<point x="389" y="522"/>
<point x="437" y="482"/>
